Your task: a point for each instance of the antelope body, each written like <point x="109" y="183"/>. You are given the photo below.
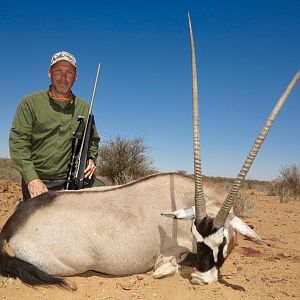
<point x="113" y="230"/>
<point x="117" y="231"/>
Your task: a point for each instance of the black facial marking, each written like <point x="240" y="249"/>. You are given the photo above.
<point x="221" y="257"/>
<point x="205" y="258"/>
<point x="205" y="226"/>
<point x="190" y="260"/>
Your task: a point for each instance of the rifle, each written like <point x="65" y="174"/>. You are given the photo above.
<point x="81" y="143"/>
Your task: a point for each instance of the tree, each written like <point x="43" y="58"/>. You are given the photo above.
<point x="122" y="160"/>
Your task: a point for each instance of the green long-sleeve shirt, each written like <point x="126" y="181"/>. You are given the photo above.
<point x="40" y="139"/>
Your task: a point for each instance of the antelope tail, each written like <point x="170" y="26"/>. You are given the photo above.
<point x="11" y="266"/>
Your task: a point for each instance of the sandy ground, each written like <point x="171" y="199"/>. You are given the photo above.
<point x="250" y="272"/>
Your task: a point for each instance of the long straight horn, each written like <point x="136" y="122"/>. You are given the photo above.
<point x="199" y="195"/>
<point x="224" y="211"/>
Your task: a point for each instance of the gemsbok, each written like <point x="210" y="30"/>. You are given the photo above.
<point x="122" y="230"/>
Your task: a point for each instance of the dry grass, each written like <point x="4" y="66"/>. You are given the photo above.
<point x="244" y="203"/>
<point x="258" y="185"/>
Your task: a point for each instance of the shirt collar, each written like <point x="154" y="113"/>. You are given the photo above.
<point x="71" y="100"/>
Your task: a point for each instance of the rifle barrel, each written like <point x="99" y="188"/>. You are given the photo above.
<point x="94" y="89"/>
<point x="79" y="161"/>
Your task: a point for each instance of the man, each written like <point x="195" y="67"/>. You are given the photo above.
<point x="40" y="139"/>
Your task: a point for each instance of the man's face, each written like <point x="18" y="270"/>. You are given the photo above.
<point x="62" y="75"/>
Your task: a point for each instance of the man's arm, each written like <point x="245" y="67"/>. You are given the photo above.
<point x="36" y="187"/>
<point x="20" y="147"/>
<point x="93" y="154"/>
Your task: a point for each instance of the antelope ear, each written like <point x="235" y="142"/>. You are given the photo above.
<point x="182" y="213"/>
<point x="242" y="228"/>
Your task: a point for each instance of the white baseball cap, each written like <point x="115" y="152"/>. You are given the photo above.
<point x="63" y="55"/>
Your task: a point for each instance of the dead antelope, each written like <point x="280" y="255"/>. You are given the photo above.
<point x="120" y="230"/>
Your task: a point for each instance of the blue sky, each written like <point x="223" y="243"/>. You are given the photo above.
<point x="246" y="51"/>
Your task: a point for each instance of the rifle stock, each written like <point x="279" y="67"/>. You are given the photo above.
<point x="80" y="147"/>
<point x="86" y="143"/>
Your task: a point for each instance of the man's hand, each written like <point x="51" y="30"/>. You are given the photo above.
<point x="36" y="187"/>
<point x="88" y="172"/>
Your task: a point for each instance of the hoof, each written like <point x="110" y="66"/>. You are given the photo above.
<point x="197" y="278"/>
<point x="168" y="268"/>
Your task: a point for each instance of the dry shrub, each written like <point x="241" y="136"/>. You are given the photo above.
<point x="258" y="185"/>
<point x="182" y="172"/>
<point x="8" y="170"/>
<point x="243" y="205"/>
<point x="287" y="185"/>
<point x="122" y="160"/>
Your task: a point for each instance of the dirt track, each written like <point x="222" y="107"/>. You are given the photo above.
<point x="251" y="271"/>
